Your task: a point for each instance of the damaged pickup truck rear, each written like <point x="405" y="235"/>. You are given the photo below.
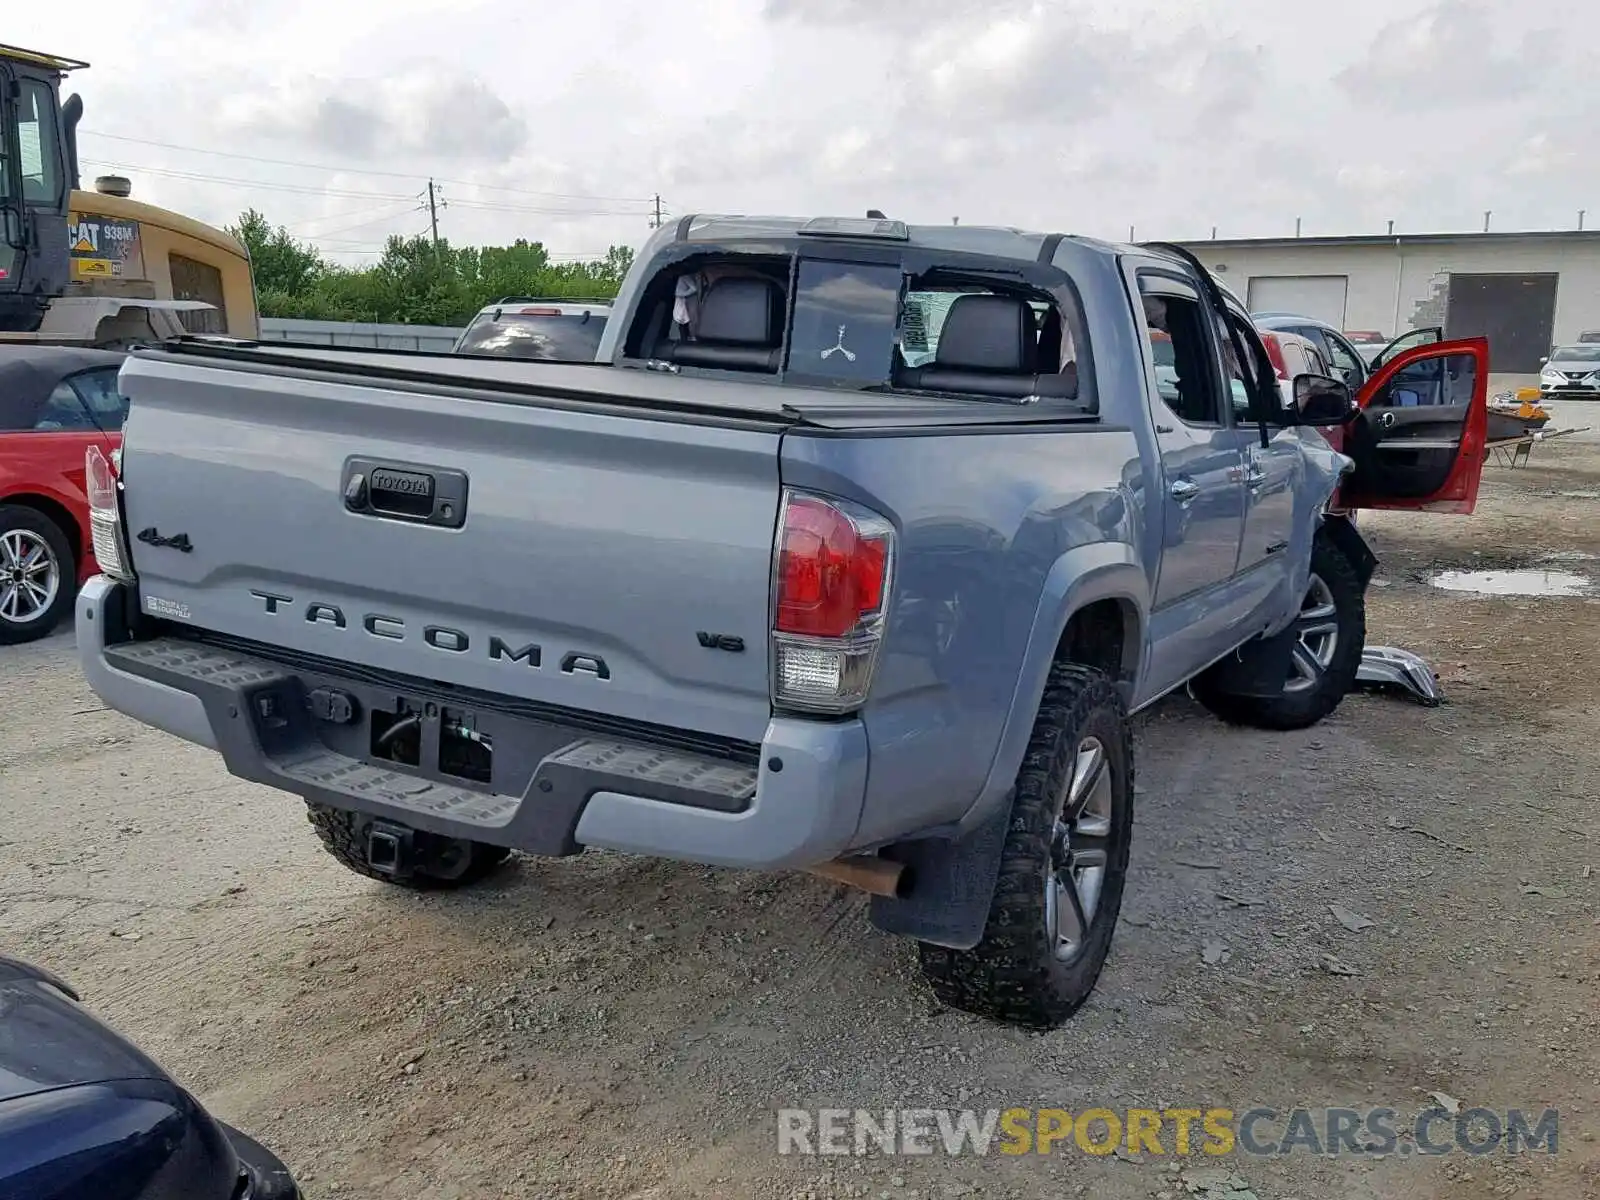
<point x="853" y="553"/>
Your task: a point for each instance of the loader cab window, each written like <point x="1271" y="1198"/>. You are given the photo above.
<point x="38" y="143"/>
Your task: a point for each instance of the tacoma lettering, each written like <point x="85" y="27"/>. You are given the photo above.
<point x="437" y="637"/>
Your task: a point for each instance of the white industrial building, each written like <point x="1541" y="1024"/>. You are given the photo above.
<point x="1524" y="291"/>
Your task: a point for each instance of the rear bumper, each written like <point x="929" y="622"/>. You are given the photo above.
<point x="557" y="786"/>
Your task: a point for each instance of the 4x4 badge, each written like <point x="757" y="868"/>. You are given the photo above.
<point x="838" y="348"/>
<point x="178" y="541"/>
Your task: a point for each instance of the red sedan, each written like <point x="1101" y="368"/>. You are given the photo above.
<point x="55" y="401"/>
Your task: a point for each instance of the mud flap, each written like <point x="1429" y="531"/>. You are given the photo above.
<point x="952" y="885"/>
<point x="1256" y="669"/>
<point x="1342" y="532"/>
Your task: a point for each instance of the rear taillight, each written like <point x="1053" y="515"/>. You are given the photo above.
<point x="835" y="563"/>
<point x="1275" y="353"/>
<point x="105" y="514"/>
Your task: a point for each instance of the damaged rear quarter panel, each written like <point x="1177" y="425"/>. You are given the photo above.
<point x="983" y="518"/>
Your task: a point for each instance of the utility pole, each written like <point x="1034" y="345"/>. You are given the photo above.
<point x="1486" y="217"/>
<point x="1297" y="227"/>
<point x="433" y="214"/>
<point x="1581" y="213"/>
<point x="655" y="221"/>
<point x="1391" y="228"/>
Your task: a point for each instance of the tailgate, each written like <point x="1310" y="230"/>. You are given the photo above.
<point x="599" y="562"/>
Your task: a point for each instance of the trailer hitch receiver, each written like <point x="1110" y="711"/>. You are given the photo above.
<point x="390" y="849"/>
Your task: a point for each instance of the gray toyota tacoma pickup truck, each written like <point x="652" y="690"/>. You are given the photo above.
<point x="853" y="553"/>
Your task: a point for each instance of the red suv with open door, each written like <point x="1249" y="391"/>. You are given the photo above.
<point x="55" y="402"/>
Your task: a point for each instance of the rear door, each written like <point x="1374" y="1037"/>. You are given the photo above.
<point x="1419" y="440"/>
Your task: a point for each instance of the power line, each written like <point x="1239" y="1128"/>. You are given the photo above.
<point x="392" y="216"/>
<point x="198" y="177"/>
<point x="339" y="216"/>
<point x="285" y="162"/>
<point x="548" y="212"/>
<point x="305" y="190"/>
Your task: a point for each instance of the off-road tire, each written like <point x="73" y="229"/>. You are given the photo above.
<point x="20" y="516"/>
<point x="1299" y="710"/>
<point x="344" y="835"/>
<point x="1013" y="974"/>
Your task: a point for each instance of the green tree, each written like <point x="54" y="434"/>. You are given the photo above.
<point x="280" y="263"/>
<point x="414" y="281"/>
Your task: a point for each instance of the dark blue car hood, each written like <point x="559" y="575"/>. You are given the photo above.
<point x="48" y="1040"/>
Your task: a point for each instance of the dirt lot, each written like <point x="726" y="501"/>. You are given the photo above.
<point x="611" y="1027"/>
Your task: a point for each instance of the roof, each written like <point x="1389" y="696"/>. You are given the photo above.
<point x="51" y="62"/>
<point x="1266" y="320"/>
<point x="31" y="366"/>
<point x="29" y="373"/>
<point x="1411" y="239"/>
<point x="992" y="240"/>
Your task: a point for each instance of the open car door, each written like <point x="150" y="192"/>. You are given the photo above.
<point x="1420" y="436"/>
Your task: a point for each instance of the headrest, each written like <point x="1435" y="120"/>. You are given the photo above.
<point x="989" y="333"/>
<point x="738" y="311"/>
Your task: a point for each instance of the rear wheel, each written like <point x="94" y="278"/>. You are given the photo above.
<point x="1063" y="866"/>
<point x="440" y="863"/>
<point x="37" y="574"/>
<point x="1331" y="632"/>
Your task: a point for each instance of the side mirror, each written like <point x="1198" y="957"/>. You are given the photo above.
<point x="1544" y="360"/>
<point x="1319" y="400"/>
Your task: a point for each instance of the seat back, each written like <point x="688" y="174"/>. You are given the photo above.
<point x="740" y="328"/>
<point x="989" y="346"/>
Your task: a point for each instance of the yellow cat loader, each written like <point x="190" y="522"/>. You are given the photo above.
<point x="69" y="275"/>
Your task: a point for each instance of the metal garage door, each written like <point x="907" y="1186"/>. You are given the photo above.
<point x="1320" y="296"/>
<point x="1517" y="313"/>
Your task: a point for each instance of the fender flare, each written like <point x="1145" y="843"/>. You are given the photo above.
<point x="1080" y="577"/>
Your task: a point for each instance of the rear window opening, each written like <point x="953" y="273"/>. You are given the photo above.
<point x="859" y="321"/>
<point x="722" y="312"/>
<point x="971" y="337"/>
<point x="545" y="332"/>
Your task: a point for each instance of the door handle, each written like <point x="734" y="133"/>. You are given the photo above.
<point x="1254" y="475"/>
<point x="1184" y="490"/>
<point x="412" y="492"/>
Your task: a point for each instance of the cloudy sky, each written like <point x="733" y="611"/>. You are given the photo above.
<point x="561" y="121"/>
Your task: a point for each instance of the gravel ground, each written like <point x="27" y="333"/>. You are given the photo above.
<point x="614" y="1027"/>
